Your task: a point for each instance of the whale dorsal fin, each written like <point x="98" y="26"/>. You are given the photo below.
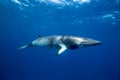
<point x="62" y="49"/>
<point x="39" y="36"/>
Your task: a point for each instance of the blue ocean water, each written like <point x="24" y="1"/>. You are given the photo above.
<point x="21" y="21"/>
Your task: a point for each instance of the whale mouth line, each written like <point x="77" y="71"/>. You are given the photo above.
<point x="92" y="44"/>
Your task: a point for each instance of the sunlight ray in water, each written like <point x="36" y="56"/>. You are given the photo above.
<point x="53" y="2"/>
<point x="111" y="16"/>
<point x="81" y="1"/>
<point x="16" y="1"/>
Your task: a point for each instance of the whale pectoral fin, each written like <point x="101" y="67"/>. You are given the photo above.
<point x="62" y="49"/>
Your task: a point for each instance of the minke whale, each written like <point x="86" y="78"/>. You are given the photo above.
<point x="62" y="43"/>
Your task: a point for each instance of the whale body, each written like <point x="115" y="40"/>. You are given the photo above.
<point x="62" y="43"/>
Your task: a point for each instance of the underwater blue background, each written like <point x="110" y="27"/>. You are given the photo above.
<point x="21" y="21"/>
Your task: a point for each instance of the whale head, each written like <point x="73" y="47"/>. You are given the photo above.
<point x="89" y="42"/>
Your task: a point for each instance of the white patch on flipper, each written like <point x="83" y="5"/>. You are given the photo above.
<point x="62" y="49"/>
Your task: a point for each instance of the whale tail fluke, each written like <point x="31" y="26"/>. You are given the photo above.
<point x="25" y="46"/>
<point x="22" y="47"/>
